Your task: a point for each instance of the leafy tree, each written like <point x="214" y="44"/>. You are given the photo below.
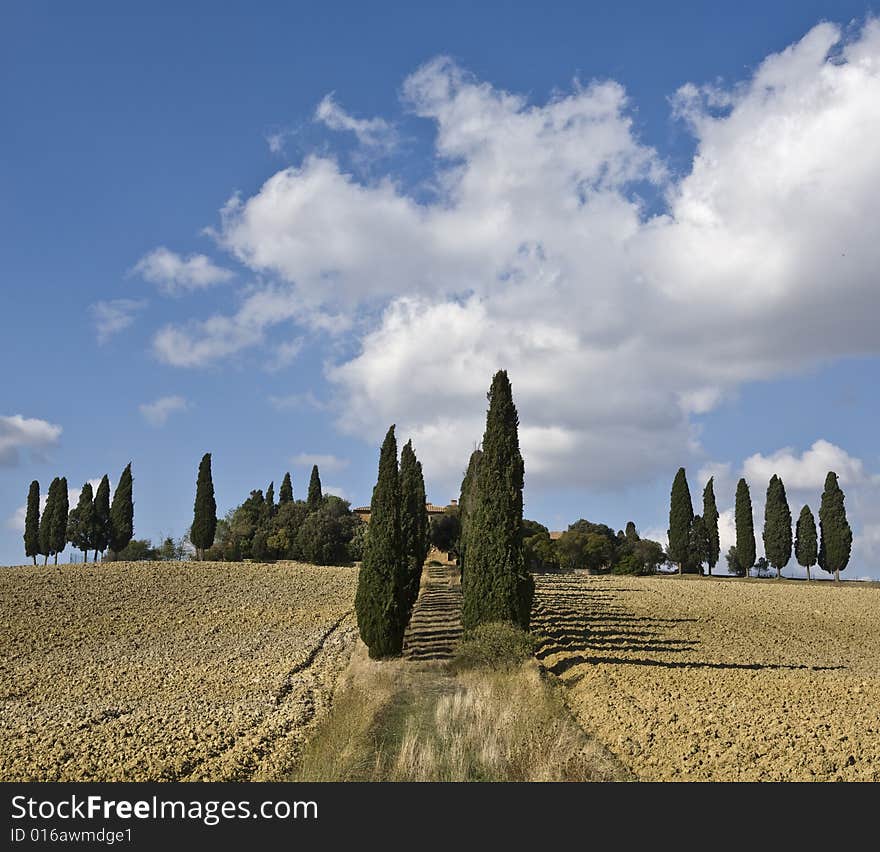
<point x="446" y="530"/>
<point x="320" y="539"/>
<point x="466" y="503"/>
<point x="745" y="527"/>
<point x="285" y="495"/>
<point x="496" y="585"/>
<point x="136" y="550"/>
<point x="733" y="566"/>
<point x="777" y="526"/>
<point x="270" y="499"/>
<point x="644" y="557"/>
<point x="681" y="518"/>
<point x="46" y="522"/>
<point x="539" y="552"/>
<point x="122" y="513"/>
<point x="315" y="496"/>
<point x="59" y="519"/>
<point x="590" y="550"/>
<point x="699" y="547"/>
<point x="414" y="526"/>
<point x="631" y="534"/>
<point x="806" y="545"/>
<point x="762" y="566"/>
<point x="81" y="522"/>
<point x="835" y="534"/>
<point x="710" y="519"/>
<point x="101" y="533"/>
<point x="32" y="522"/>
<point x="380" y="596"/>
<point x="204" y="524"/>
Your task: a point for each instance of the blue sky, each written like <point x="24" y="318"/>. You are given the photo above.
<point x="269" y="230"/>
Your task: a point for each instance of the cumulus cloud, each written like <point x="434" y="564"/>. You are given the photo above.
<point x="157" y="413"/>
<point x="114" y="315"/>
<point x="19" y="433"/>
<point x="324" y="462"/>
<point x="533" y="252"/>
<point x="807" y="470"/>
<point x="174" y="274"/>
<point x="370" y="132"/>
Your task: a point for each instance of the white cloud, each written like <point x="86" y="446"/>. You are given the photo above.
<point x="337" y="491"/>
<point x="372" y="132"/>
<point x="807" y="470"/>
<point x="285" y="354"/>
<point x="19" y="433"/>
<point x="174" y="274"/>
<point x="324" y="462"/>
<point x="157" y="413"/>
<point x="112" y="316"/>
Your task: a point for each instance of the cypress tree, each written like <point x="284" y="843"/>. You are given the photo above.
<point x="32" y="522"/>
<point x="745" y="527"/>
<point x="710" y="519"/>
<point x="59" y="518"/>
<point x="631" y="534"/>
<point x="46" y="521"/>
<point x="835" y="534"/>
<point x="101" y="533"/>
<point x="681" y="519"/>
<point x="496" y="585"/>
<point x="122" y="512"/>
<point x="204" y="510"/>
<point x="698" y="549"/>
<point x="806" y="545"/>
<point x="270" y="499"/>
<point x="466" y="501"/>
<point x="414" y="528"/>
<point x="315" y="497"/>
<point x="381" y="589"/>
<point x="285" y="495"/>
<point x="81" y="522"/>
<point x="777" y="526"/>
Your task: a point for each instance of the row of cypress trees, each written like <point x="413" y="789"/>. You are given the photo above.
<point x="694" y="539"/>
<point x="395" y="550"/>
<point x="93" y="524"/>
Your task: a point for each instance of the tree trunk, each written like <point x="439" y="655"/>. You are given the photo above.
<point x="46" y="560"/>
<point x="778" y="573"/>
<point x="710" y="570"/>
<point x="85" y="557"/>
<point x="56" y="558"/>
<point x="34" y="557"/>
<point x="808" y="573"/>
<point x="836" y="575"/>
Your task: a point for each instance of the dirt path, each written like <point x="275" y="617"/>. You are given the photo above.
<point x="435" y="626"/>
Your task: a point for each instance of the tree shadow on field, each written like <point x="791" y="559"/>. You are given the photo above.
<point x="581" y="624"/>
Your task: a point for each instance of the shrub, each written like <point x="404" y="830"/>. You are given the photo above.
<point x="494" y="645"/>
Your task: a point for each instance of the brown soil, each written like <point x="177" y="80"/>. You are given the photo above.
<point x="706" y="679"/>
<point x="167" y="671"/>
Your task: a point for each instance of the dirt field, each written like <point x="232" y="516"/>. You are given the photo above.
<point x="701" y="679"/>
<point x="167" y="671"/>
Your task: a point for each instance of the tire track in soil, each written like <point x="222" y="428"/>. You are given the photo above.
<point x="270" y="748"/>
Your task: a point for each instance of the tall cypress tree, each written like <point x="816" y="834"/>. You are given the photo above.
<point x="270" y="499"/>
<point x="466" y="500"/>
<point x="698" y="549"/>
<point x="835" y="534"/>
<point x="122" y="512"/>
<point x="315" y="497"/>
<point x="46" y="521"/>
<point x="777" y="526"/>
<point x="681" y="519"/>
<point x="101" y="534"/>
<point x="59" y="518"/>
<point x="32" y="522"/>
<point x="413" y="521"/>
<point x="380" y="600"/>
<point x="710" y="520"/>
<point x="204" y="510"/>
<point x="81" y="522"/>
<point x="745" y="527"/>
<point x="285" y="495"/>
<point x="496" y="585"/>
<point x="806" y="545"/>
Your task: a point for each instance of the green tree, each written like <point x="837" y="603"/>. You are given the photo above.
<point x="446" y="530"/>
<point x="122" y="513"/>
<point x="681" y="518"/>
<point x="466" y="502"/>
<point x="631" y="534"/>
<point x="32" y="522"/>
<point x="733" y="566"/>
<point x="59" y="519"/>
<point x="101" y="535"/>
<point x="204" y="524"/>
<point x="285" y="495"/>
<point x="414" y="526"/>
<point x="777" y="526"/>
<point x="835" y="534"/>
<point x="700" y="546"/>
<point x="590" y="550"/>
<point x="495" y="584"/>
<point x="710" y="519"/>
<point x="315" y="496"/>
<point x="806" y="545"/>
<point x="381" y="590"/>
<point x="270" y="499"/>
<point x="137" y="550"/>
<point x="46" y="549"/>
<point x="81" y="522"/>
<point x="745" y="527"/>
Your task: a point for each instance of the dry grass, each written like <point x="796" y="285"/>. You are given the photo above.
<point x="406" y="721"/>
